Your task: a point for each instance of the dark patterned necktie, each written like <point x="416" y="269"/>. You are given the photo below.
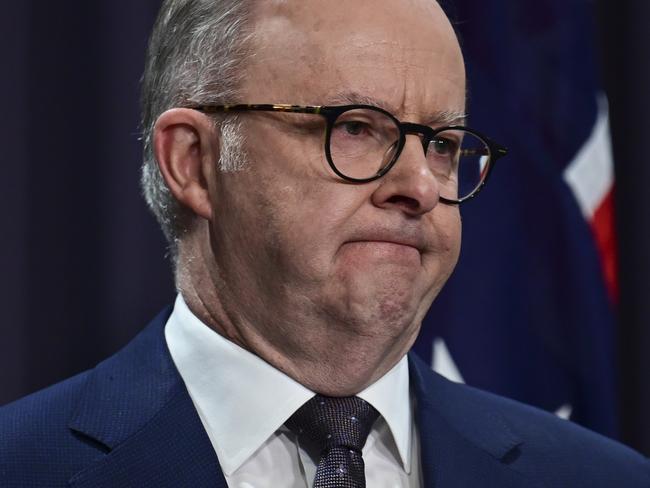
<point x="335" y="429"/>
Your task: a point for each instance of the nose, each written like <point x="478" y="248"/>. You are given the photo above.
<point x="410" y="186"/>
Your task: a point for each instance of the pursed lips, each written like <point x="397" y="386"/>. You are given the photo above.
<point x="386" y="250"/>
<point x="385" y="241"/>
<point x="391" y="238"/>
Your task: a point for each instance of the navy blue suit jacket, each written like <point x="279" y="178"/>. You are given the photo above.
<point x="131" y="423"/>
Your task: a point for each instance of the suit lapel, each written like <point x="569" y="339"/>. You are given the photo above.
<point x="135" y="405"/>
<point x="461" y="443"/>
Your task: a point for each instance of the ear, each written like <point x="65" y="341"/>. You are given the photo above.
<point x="186" y="147"/>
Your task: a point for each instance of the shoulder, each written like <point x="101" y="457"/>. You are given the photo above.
<point x="554" y="441"/>
<point x="50" y="435"/>
<point x="36" y="413"/>
<point x="35" y="439"/>
<point x="554" y="451"/>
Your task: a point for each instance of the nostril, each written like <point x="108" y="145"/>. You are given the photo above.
<point x="407" y="203"/>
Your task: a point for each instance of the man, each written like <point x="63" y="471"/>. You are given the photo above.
<point x="309" y="241"/>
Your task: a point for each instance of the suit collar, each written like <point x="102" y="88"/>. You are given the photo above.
<point x="482" y="427"/>
<point x="119" y="396"/>
<point x="463" y="442"/>
<point x="136" y="406"/>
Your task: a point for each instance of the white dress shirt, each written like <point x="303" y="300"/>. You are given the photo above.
<point x="243" y="403"/>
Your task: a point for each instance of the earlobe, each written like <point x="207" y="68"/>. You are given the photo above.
<point x="182" y="146"/>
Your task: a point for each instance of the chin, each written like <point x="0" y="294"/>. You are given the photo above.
<point x="385" y="304"/>
<point x="389" y="315"/>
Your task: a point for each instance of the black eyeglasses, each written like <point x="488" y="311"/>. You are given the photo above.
<point x="363" y="142"/>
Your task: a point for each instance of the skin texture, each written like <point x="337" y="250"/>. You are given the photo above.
<point x="325" y="280"/>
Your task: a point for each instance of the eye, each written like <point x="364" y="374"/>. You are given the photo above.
<point x="353" y="127"/>
<point x="444" y="146"/>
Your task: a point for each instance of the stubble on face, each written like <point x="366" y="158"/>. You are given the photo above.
<point x="312" y="283"/>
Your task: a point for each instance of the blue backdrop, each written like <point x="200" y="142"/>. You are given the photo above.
<point x="526" y="313"/>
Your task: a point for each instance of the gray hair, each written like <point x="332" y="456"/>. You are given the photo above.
<point x="195" y="55"/>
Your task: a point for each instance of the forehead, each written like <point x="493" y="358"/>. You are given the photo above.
<point x="403" y="53"/>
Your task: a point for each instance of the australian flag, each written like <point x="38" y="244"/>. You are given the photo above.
<point x="529" y="311"/>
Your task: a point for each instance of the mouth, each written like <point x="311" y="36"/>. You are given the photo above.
<point x="384" y="250"/>
<point x="401" y="244"/>
<point x="386" y="243"/>
<point x="402" y="239"/>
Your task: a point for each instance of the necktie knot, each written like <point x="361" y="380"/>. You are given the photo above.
<point x="336" y="429"/>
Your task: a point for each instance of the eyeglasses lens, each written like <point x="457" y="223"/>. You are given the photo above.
<point x="363" y="142"/>
<point x="459" y="160"/>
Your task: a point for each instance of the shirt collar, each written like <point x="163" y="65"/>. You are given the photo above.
<point x="390" y="396"/>
<point x="242" y="400"/>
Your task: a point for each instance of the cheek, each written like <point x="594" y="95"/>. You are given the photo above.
<point x="453" y="236"/>
<point x="304" y="201"/>
<point x="446" y="250"/>
<point x="301" y="223"/>
<point x="314" y="227"/>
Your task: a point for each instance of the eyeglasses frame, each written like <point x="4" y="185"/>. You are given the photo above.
<point x="332" y="112"/>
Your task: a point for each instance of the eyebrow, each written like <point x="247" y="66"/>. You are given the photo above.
<point x="440" y="117"/>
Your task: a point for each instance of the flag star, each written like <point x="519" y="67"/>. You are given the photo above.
<point x="443" y="363"/>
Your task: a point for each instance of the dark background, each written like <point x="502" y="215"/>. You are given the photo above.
<point x="625" y="48"/>
<point x="83" y="263"/>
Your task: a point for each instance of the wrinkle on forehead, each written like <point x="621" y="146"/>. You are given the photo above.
<point x="310" y="52"/>
<point x="436" y="117"/>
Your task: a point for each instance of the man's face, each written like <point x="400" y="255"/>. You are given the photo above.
<point x="307" y="257"/>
